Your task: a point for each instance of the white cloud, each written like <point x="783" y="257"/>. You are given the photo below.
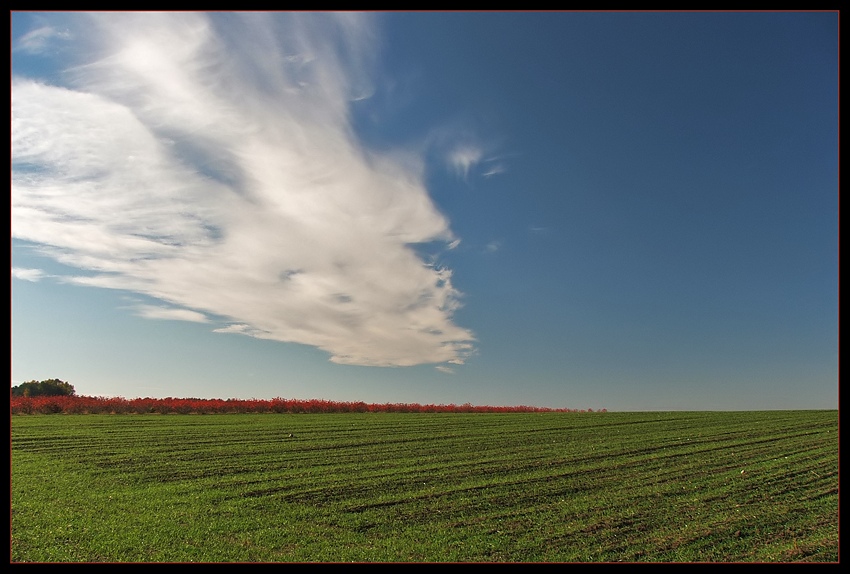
<point x="209" y="162"/>
<point x="170" y="313"/>
<point x="239" y="329"/>
<point x="25" y="274"/>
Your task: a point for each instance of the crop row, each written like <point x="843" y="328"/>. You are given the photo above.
<point x="170" y="405"/>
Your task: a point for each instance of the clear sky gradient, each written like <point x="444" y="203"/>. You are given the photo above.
<point x="630" y="211"/>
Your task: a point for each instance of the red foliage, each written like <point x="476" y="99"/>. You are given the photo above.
<point x="119" y="405"/>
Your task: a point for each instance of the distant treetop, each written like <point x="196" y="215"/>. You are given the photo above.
<point x="48" y="388"/>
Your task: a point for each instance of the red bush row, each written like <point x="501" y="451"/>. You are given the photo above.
<point x="119" y="405"/>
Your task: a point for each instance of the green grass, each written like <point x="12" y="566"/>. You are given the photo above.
<point x="529" y="487"/>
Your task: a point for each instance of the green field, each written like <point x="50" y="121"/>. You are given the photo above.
<point x="386" y="487"/>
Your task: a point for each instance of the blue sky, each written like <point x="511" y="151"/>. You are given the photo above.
<point x="630" y="211"/>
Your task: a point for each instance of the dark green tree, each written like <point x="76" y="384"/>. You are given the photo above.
<point x="48" y="388"/>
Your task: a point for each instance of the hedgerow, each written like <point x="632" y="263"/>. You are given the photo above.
<point x="119" y="405"/>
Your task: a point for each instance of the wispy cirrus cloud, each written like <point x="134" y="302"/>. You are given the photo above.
<point x="469" y="157"/>
<point x="25" y="274"/>
<point x="465" y="152"/>
<point x="464" y="157"/>
<point x="40" y="39"/>
<point x="493" y="167"/>
<point x="170" y="314"/>
<point x="209" y="161"/>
